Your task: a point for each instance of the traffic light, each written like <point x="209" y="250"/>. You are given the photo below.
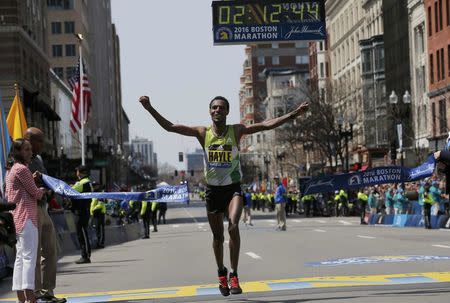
<point x="176" y="173"/>
<point x="180" y="157"/>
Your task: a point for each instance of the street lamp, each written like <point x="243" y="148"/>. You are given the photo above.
<point x="267" y="163"/>
<point x="345" y="134"/>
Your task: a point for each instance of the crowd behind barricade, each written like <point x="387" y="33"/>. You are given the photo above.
<point x="27" y="228"/>
<point x="425" y="198"/>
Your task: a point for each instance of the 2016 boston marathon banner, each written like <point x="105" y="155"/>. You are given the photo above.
<point x="374" y="176"/>
<point x="175" y="193"/>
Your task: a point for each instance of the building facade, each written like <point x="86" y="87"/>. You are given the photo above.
<point x="345" y="25"/>
<point x="101" y="56"/>
<point x="253" y="89"/>
<point x="142" y="149"/>
<point x="419" y="78"/>
<point x="438" y="48"/>
<point x="23" y="61"/>
<point x="195" y="161"/>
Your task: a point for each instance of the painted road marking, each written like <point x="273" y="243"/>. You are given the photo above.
<point x="256" y="286"/>
<point x="345" y="222"/>
<point x="320" y="221"/>
<point x="271" y="221"/>
<point x="297" y="221"/>
<point x="320" y="230"/>
<point x="189" y="214"/>
<point x="227" y="242"/>
<point x="253" y="255"/>
<point x="365" y="237"/>
<point x="175" y="226"/>
<point x="441" y="246"/>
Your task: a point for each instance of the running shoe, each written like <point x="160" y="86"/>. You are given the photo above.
<point x="235" y="289"/>
<point x="223" y="282"/>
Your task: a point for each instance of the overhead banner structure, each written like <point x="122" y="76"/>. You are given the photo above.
<point x="370" y="177"/>
<point x="176" y="193"/>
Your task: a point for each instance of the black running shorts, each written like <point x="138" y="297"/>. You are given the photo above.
<point x="219" y="197"/>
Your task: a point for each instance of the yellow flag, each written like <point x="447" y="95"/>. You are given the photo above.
<point x="17" y="125"/>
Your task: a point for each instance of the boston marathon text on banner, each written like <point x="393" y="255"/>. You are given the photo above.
<point x="374" y="176"/>
<point x="177" y="193"/>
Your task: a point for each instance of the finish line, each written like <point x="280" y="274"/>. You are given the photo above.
<point x="256" y="287"/>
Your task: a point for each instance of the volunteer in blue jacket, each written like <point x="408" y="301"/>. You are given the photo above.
<point x="280" y="204"/>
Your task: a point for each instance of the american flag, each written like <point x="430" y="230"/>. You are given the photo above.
<point x="74" y="82"/>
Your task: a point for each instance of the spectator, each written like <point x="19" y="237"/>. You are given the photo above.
<point x="247" y="208"/>
<point x="22" y="190"/>
<point x="280" y="205"/>
<point x="47" y="258"/>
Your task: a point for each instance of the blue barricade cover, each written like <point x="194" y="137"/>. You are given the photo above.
<point x="176" y="193"/>
<point x="370" y="177"/>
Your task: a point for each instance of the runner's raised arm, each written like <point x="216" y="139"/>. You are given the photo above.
<point x="195" y="131"/>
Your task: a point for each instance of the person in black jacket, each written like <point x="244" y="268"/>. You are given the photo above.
<point x="443" y="162"/>
<point x="82" y="209"/>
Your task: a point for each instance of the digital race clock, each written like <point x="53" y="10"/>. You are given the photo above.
<point x="247" y="21"/>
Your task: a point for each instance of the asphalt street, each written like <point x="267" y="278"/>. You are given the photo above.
<point x="376" y="263"/>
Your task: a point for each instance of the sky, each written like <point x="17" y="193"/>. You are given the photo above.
<point x="167" y="53"/>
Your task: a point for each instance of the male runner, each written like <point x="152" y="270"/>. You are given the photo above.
<point x="223" y="175"/>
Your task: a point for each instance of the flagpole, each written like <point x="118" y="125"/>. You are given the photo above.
<point x="80" y="39"/>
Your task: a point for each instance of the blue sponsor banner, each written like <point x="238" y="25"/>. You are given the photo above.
<point x="177" y="193"/>
<point x="261" y="33"/>
<point x="370" y="177"/>
<point x="400" y="220"/>
<point x="377" y="260"/>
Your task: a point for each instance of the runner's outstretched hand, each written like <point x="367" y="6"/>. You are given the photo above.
<point x="302" y="108"/>
<point x="145" y="101"/>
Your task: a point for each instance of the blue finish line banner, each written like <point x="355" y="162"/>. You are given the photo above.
<point x="370" y="177"/>
<point x="176" y="193"/>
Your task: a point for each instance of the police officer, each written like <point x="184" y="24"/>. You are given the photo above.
<point x="427" y="198"/>
<point x="81" y="208"/>
<point x="146" y="214"/>
<point x="98" y="213"/>
<point x="362" y="199"/>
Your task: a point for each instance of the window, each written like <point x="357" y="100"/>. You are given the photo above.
<point x="70" y="71"/>
<point x="261" y="60"/>
<point x="433" y="117"/>
<point x="60" y="4"/>
<point x="327" y="69"/>
<point x="321" y="46"/>
<point x="69" y="27"/>
<point x="59" y="71"/>
<point x="430" y="31"/>
<point x="448" y="12"/>
<point x="56" y="28"/>
<point x="366" y="61"/>
<point x="258" y="138"/>
<point x="440" y="15"/>
<point x="442" y="65"/>
<point x="70" y="50"/>
<point x="431" y="69"/>
<point x="301" y="59"/>
<point x="379" y="58"/>
<point x="322" y="74"/>
<point x="276" y="60"/>
<point x="448" y="59"/>
<point x="436" y="17"/>
<point x="442" y="117"/>
<point x="57" y="50"/>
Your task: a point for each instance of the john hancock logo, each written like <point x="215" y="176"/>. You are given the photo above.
<point x="224" y="34"/>
<point x="354" y="180"/>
